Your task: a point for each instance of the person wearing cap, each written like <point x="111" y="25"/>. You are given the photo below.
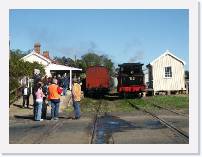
<point x="54" y="93"/>
<point x="76" y="97"/>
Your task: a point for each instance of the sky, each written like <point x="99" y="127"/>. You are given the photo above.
<point x="124" y="35"/>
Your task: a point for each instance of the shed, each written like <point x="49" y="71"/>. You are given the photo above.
<point x="57" y="67"/>
<point x="166" y="73"/>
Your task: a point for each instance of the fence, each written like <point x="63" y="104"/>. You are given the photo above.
<point x="15" y="94"/>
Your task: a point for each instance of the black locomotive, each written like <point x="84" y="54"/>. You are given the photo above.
<point x="131" y="79"/>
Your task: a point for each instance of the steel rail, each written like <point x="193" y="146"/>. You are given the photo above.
<point x="98" y="111"/>
<point x="94" y="123"/>
<point x="180" y="132"/>
<point x="169" y="110"/>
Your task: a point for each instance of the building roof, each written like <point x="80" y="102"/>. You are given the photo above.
<point x="38" y="55"/>
<point x="61" y="67"/>
<point x="167" y="52"/>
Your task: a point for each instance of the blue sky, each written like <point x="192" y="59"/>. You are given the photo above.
<point x="135" y="35"/>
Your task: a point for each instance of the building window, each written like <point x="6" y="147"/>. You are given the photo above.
<point x="168" y="72"/>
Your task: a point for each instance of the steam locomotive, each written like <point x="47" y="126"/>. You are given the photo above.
<point x="131" y="80"/>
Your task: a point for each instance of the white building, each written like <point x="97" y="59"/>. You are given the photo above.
<point x="37" y="56"/>
<point x="49" y="65"/>
<point x="166" y="73"/>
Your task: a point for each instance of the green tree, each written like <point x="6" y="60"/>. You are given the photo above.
<point x="93" y="59"/>
<point x="65" y="61"/>
<point x="19" y="68"/>
<point x="108" y="63"/>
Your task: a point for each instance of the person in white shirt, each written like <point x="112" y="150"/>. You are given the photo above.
<point x="26" y="94"/>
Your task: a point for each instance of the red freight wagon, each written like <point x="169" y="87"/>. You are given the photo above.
<point x="97" y="80"/>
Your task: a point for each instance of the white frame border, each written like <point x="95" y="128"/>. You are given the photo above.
<point x="191" y="148"/>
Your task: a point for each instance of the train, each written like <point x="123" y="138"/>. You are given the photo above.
<point x="130" y="80"/>
<point x="97" y="81"/>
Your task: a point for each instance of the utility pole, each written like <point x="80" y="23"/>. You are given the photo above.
<point x="75" y="60"/>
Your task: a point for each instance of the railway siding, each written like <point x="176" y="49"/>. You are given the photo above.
<point x="114" y="121"/>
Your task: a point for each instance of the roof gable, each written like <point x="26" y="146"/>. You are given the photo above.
<point x="167" y="52"/>
<point x="38" y="55"/>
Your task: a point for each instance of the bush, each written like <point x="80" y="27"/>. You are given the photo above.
<point x="19" y="68"/>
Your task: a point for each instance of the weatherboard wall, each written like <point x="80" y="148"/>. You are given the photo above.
<point x="160" y="82"/>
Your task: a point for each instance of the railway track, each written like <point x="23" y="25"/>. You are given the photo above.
<point x="97" y="109"/>
<point x="164" y="122"/>
<point x="96" y="134"/>
<point x="47" y="132"/>
<point x="181" y="114"/>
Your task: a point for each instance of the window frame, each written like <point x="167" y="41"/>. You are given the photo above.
<point x="168" y="73"/>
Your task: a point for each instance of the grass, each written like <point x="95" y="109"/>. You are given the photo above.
<point x="89" y="105"/>
<point x="172" y="102"/>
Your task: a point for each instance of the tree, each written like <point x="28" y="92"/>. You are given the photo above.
<point x="108" y="63"/>
<point x="92" y="59"/>
<point x="65" y="61"/>
<point x="19" y="68"/>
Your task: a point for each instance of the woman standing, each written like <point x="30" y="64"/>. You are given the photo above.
<point x="39" y="101"/>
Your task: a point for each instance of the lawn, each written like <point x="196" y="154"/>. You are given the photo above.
<point x="89" y="105"/>
<point x="172" y="102"/>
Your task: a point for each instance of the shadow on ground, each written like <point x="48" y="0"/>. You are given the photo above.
<point x="24" y="117"/>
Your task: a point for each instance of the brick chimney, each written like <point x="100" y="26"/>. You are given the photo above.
<point x="37" y="47"/>
<point x="46" y="54"/>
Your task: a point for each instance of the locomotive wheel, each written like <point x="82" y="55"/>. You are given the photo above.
<point x="140" y="95"/>
<point x="122" y="95"/>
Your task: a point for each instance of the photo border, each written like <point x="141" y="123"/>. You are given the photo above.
<point x="191" y="148"/>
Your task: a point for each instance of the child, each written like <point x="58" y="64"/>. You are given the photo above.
<point x="39" y="101"/>
<point x="25" y="93"/>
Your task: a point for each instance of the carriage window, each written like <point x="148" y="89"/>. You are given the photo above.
<point x="168" y="72"/>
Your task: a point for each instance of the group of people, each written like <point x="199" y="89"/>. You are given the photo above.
<point x="50" y="90"/>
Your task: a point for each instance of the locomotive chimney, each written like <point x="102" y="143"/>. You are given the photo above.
<point x="37" y="47"/>
<point x="46" y="54"/>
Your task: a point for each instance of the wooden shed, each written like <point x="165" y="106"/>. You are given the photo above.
<point x="166" y="74"/>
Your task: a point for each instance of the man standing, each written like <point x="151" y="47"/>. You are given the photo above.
<point x="54" y="92"/>
<point x="76" y="97"/>
<point x="65" y="84"/>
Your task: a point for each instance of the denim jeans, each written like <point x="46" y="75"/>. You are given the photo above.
<point x="64" y="91"/>
<point x="77" y="111"/>
<point x="38" y="110"/>
<point x="44" y="109"/>
<point x="55" y="109"/>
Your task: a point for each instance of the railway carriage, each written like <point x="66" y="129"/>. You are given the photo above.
<point x="97" y="81"/>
